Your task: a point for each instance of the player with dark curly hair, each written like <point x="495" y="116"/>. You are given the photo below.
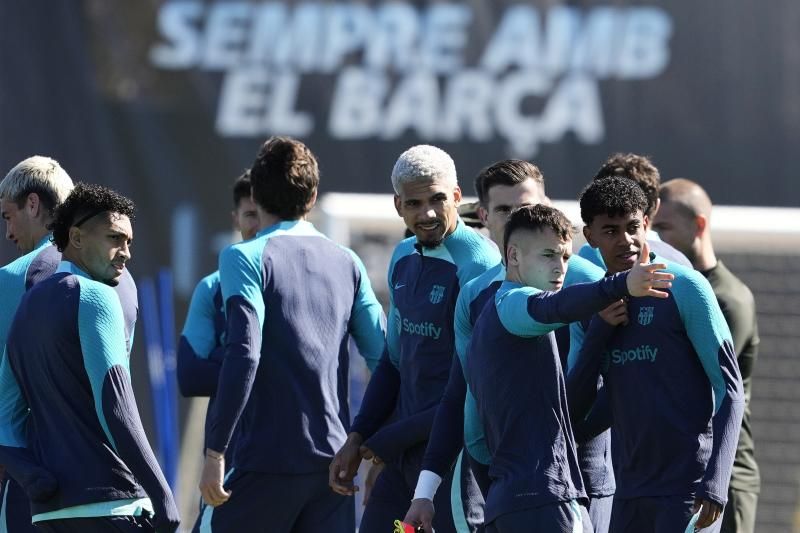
<point x="86" y="463"/>
<point x="644" y="173"/>
<point x="669" y="373"/>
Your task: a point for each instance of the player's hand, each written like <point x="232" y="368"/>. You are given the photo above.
<point x="374" y="471"/>
<point x="369" y="455"/>
<point x="421" y="513"/>
<point x="709" y="512"/>
<point x="616" y="314"/>
<point x="644" y="278"/>
<point x="211" y="488"/>
<point x="345" y="465"/>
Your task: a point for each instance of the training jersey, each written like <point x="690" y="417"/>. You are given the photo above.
<point x="202" y="347"/>
<point x="457" y="413"/>
<point x="424" y="284"/>
<point x="657" y="246"/>
<point x="739" y="309"/>
<point x="293" y="298"/>
<point x="515" y="374"/>
<point x="68" y="403"/>
<point x="19" y="276"/>
<point x="674" y="390"/>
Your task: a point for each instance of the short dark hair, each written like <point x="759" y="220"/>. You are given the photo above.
<point x="536" y="218"/>
<point x="84" y="202"/>
<point x="613" y="197"/>
<point x="508" y="172"/>
<point x="285" y="177"/>
<point x="241" y="188"/>
<point x="638" y="168"/>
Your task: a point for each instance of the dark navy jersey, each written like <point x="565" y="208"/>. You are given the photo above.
<point x="674" y="389"/>
<point x="68" y="404"/>
<point x="457" y="411"/>
<point x="292" y="300"/>
<point x="657" y="246"/>
<point x="424" y="284"/>
<point x="22" y="274"/>
<point x="514" y="372"/>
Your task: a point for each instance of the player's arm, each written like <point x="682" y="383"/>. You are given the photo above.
<point x="711" y="338"/>
<point x="199" y="352"/>
<point x="241" y="284"/>
<point x="585" y="364"/>
<point x="38" y="483"/>
<point x="741" y="320"/>
<point x="377" y="406"/>
<point x="367" y="321"/>
<point x="102" y="337"/>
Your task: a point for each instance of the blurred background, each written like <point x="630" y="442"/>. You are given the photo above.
<point x="169" y="101"/>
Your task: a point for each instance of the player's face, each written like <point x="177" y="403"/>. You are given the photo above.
<point x="105" y="247"/>
<point x="245" y="218"/>
<point x="618" y="238"/>
<point x="429" y="209"/>
<point x="676" y="227"/>
<point x="20" y="225"/>
<point x="541" y="258"/>
<point x="501" y="200"/>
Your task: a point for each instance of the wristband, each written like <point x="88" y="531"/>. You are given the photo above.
<point x="427" y="484"/>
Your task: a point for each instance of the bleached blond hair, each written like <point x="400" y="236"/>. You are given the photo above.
<point x="40" y="175"/>
<point x="424" y="163"/>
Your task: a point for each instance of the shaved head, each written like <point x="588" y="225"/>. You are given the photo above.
<point x="690" y="196"/>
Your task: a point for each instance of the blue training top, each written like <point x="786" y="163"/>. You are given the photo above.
<point x="292" y="299"/>
<point x="424" y="284"/>
<point x="457" y="411"/>
<point x="67" y="379"/>
<point x="526" y="417"/>
<point x="674" y="389"/>
<point x="202" y="347"/>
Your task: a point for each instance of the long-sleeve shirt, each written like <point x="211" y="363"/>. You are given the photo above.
<point x="514" y="371"/>
<point x="457" y="411"/>
<point x="22" y="274"/>
<point x="674" y="390"/>
<point x="292" y="300"/>
<point x="202" y="347"/>
<point x="424" y="284"/>
<point x="739" y="309"/>
<point x="68" y="405"/>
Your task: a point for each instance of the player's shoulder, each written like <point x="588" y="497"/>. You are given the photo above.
<point x="404" y="248"/>
<point x="688" y="285"/>
<point x="476" y="285"/>
<point x="592" y="255"/>
<point x="210" y="282"/>
<point x="581" y="270"/>
<point x="510" y="291"/>
<point x="468" y="246"/>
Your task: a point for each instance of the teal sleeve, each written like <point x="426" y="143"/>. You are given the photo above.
<point x="707" y="330"/>
<point x="592" y="255"/>
<point x="199" y="329"/>
<point x="240" y="275"/>
<point x="462" y="324"/>
<point x="367" y="321"/>
<point x="13" y="407"/>
<point x="101" y="329"/>
<point x="512" y="308"/>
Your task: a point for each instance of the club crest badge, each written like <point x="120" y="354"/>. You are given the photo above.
<point x="437" y="294"/>
<point x="645" y="315"/>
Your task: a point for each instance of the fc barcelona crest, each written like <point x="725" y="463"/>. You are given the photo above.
<point x="437" y="294"/>
<point x="645" y="315"/>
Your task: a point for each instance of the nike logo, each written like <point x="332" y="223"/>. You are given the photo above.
<point x="399" y="286"/>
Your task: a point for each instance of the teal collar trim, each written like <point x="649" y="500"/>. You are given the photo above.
<point x="71" y="268"/>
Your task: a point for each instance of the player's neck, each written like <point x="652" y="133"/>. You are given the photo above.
<point x="705" y="259"/>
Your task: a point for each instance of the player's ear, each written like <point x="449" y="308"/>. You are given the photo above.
<point x="457" y="195"/>
<point x="587" y="234"/>
<point x="512" y="255"/>
<point x="397" y="204"/>
<point x="700" y="223"/>
<point x="75" y="237"/>
<point x="483" y="214"/>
